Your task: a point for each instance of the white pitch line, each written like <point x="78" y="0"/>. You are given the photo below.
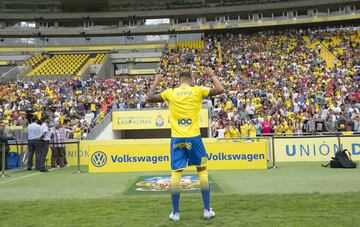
<point x="15" y="170"/>
<point x="30" y="175"/>
<point x="11" y="180"/>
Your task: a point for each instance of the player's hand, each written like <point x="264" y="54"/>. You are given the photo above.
<point x="209" y="71"/>
<point x="158" y="78"/>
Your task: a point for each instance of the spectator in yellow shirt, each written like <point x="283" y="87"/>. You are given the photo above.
<point x="278" y="129"/>
<point x="227" y="131"/>
<point x="289" y="128"/>
<point x="252" y="129"/>
<point x="234" y="132"/>
<point x="244" y="128"/>
<point x="77" y="131"/>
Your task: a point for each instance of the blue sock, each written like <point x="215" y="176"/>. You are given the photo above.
<point x="175" y="198"/>
<point x="206" y="199"/>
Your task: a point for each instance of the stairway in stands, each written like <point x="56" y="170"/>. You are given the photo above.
<point x="325" y="54"/>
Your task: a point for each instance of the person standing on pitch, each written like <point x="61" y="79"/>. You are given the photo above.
<point x="186" y="144"/>
<point x="4" y="138"/>
<point x="58" y="145"/>
<point x="34" y="135"/>
<point x="44" y="144"/>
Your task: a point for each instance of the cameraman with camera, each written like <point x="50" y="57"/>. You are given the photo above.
<point x="4" y="140"/>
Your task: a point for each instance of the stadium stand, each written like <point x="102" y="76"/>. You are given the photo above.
<point x="275" y="75"/>
<point x="35" y="60"/>
<point x="83" y="69"/>
<point x="61" y="65"/>
<point x="194" y="44"/>
<point x="275" y="83"/>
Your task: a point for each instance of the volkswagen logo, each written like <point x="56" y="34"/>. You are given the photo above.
<point x="98" y="159"/>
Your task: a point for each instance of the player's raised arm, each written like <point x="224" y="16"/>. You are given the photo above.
<point x="218" y="87"/>
<point x="151" y="97"/>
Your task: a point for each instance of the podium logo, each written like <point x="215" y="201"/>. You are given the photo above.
<point x="98" y="159"/>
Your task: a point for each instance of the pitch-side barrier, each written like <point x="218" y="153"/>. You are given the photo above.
<point x="153" y="154"/>
<point x="23" y="155"/>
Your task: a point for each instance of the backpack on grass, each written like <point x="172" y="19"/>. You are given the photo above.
<point x="342" y="159"/>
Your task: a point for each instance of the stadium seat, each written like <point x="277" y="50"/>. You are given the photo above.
<point x="61" y="65"/>
<point x="35" y="60"/>
<point x="98" y="59"/>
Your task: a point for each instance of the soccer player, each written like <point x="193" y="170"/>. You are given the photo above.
<point x="187" y="147"/>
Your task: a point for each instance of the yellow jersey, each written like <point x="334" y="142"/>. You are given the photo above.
<point x="77" y="132"/>
<point x="185" y="106"/>
<point x="278" y="130"/>
<point x="289" y="131"/>
<point x="228" y="105"/>
<point x="234" y="133"/>
<point x="7" y="114"/>
<point x="227" y="133"/>
<point x="291" y="115"/>
<point x="93" y="107"/>
<point x="244" y="130"/>
<point x="252" y="131"/>
<point x="38" y="114"/>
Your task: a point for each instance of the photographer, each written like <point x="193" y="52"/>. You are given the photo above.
<point x="4" y="140"/>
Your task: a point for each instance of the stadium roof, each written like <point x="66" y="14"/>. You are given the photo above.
<point x="131" y="5"/>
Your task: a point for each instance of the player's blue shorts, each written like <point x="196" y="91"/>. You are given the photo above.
<point x="189" y="151"/>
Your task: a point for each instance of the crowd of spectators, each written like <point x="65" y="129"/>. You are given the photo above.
<point x="274" y="83"/>
<point x="77" y="105"/>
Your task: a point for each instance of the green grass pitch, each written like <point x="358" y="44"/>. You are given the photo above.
<point x="295" y="194"/>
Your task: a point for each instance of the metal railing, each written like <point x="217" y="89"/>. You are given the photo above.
<point x="315" y="134"/>
<point x="270" y="138"/>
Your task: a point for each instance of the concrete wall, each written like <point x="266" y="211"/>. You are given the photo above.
<point x="16" y="72"/>
<point x="58" y="41"/>
<point x="13" y="57"/>
<point x="86" y="74"/>
<point x="174" y="12"/>
<point x="102" y="71"/>
<point x="109" y="134"/>
<point x="136" y="55"/>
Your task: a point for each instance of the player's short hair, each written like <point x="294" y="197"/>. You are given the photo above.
<point x="185" y="75"/>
